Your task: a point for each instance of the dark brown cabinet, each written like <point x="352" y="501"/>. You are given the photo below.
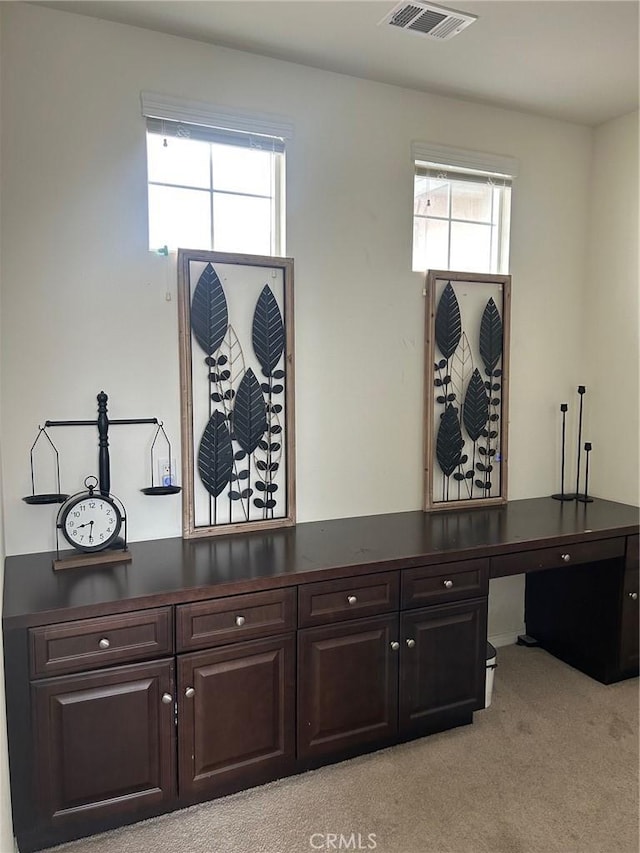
<point x="629" y="654"/>
<point x="442" y="668"/>
<point x="236" y="713"/>
<point x="205" y="667"/>
<point x="347" y="685"/>
<point x="104" y="742"/>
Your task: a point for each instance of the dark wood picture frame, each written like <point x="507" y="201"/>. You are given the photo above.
<point x="269" y="349"/>
<point x="466" y="357"/>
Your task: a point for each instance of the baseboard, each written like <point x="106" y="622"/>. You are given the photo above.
<point x="507" y="639"/>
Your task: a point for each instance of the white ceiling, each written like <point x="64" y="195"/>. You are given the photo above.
<point x="570" y="59"/>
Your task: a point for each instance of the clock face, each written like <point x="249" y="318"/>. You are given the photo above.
<point x="90" y="522"/>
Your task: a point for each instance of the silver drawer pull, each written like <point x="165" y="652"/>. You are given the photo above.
<point x="352" y="599"/>
<point x="395" y="645"/>
<point x="189" y="692"/>
<point x="633" y="595"/>
<point x="565" y="557"/>
<point x="167" y="698"/>
<point x="448" y="584"/>
<point x="240" y="620"/>
<point x="104" y="643"/>
<point x="411" y="643"/>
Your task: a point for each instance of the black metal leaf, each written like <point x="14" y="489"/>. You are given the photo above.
<point x="482" y="451"/>
<point x="272" y="487"/>
<point x="449" y="442"/>
<point x="278" y="374"/>
<point x="495" y="401"/>
<point x="268" y="331"/>
<point x="277" y="389"/>
<point x="239" y="454"/>
<point x="246" y="493"/>
<point x="263" y="445"/>
<point x="448" y="325"/>
<point x="249" y="413"/>
<point x="495" y="386"/>
<point x="235" y="496"/>
<point x="458" y="476"/>
<point x="261" y="465"/>
<point x="469" y="475"/>
<point x="209" y="314"/>
<point x="260" y="486"/>
<point x="493" y="433"/>
<point x="275" y="446"/>
<point x="437" y="382"/>
<point x="441" y="399"/>
<point x="259" y="503"/>
<point x="451" y="398"/>
<point x="276" y="408"/>
<point x="264" y="386"/>
<point x="480" y="466"/>
<point x="490" y="336"/>
<point x="494" y="418"/>
<point x="480" y="484"/>
<point x="270" y="503"/>
<point x="275" y="429"/>
<point x="215" y="455"/>
<point x="475" y="412"/>
<point x="216" y="397"/>
<point x="464" y="458"/>
<point x="243" y="475"/>
<point x="222" y="359"/>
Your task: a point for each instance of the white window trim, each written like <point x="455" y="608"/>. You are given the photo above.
<point x="170" y="108"/>
<point x="463" y="158"/>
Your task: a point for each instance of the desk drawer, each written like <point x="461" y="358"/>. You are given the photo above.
<point x="427" y="585"/>
<point x="349" y="598"/>
<point x="236" y="617"/>
<point x="106" y="640"/>
<point x="559" y="555"/>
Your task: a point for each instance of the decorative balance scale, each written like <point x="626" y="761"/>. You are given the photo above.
<point x="93" y="520"/>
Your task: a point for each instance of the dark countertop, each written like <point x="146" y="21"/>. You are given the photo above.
<point x="168" y="571"/>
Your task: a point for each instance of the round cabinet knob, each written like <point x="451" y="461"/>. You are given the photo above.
<point x="566" y="557"/>
<point x="167" y="698"/>
<point x="189" y="692"/>
<point x="411" y="643"/>
<point x="395" y="646"/>
<point x="240" y="620"/>
<point x="352" y="599"/>
<point x="633" y="595"/>
<point x="104" y="643"/>
<point x="448" y="584"/>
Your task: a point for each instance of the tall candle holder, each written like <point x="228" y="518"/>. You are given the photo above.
<point x="581" y="391"/>
<point x="562" y="496"/>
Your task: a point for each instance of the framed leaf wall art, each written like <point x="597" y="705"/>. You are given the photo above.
<point x="237" y="391"/>
<point x="466" y="389"/>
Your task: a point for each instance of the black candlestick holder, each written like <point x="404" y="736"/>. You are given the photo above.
<point x="581" y="391"/>
<point x="562" y="496"/>
<point x="584" y="498"/>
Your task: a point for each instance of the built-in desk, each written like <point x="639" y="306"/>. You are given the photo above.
<point x="207" y="666"/>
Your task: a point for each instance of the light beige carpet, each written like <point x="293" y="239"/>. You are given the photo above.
<point x="551" y="767"/>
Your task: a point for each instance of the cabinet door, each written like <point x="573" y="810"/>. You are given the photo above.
<point x="105" y="742"/>
<point x="236" y="716"/>
<point x="629" y="655"/>
<point x="442" y="664"/>
<point x="347" y="685"/>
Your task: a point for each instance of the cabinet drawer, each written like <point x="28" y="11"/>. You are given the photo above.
<point x="103" y="641"/>
<point x="434" y="584"/>
<point x="559" y="555"/>
<point x="349" y="598"/>
<point x="236" y="617"/>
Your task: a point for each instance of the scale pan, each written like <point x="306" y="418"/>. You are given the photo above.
<point x="45" y="499"/>
<point x="161" y="490"/>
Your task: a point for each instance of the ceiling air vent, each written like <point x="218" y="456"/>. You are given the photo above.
<point x="426" y="19"/>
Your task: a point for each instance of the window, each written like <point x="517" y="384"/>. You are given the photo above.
<point x="215" y="180"/>
<point x="461" y="215"/>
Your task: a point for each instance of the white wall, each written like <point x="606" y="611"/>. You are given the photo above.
<point x="83" y="301"/>
<point x="611" y="316"/>
<point x="6" y="831"/>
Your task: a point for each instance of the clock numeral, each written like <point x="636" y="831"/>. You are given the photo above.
<point x="70" y="523"/>
<point x="92" y="505"/>
<point x="76" y="515"/>
<point x="75" y="533"/>
<point x="102" y="536"/>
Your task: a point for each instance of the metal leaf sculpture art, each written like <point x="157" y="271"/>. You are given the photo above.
<point x="209" y="313"/>
<point x="475" y="413"/>
<point x="461" y="366"/>
<point x="490" y="336"/>
<point x="449" y="442"/>
<point x="268" y="331"/>
<point x="215" y="455"/>
<point x="448" y="324"/>
<point x="249" y="413"/>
